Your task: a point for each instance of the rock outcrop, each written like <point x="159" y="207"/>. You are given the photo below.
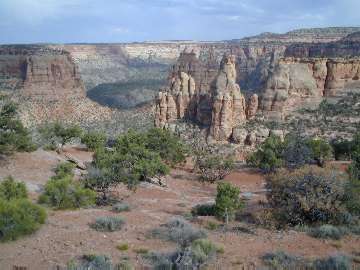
<point x="228" y="109"/>
<point x="217" y="103"/>
<point x="47" y="85"/>
<point x="298" y="80"/>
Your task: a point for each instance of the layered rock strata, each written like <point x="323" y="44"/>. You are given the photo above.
<point x="298" y="80"/>
<point x="217" y="103"/>
<point x="47" y="85"/>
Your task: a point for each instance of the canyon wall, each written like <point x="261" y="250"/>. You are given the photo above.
<point x="292" y="80"/>
<point x="199" y="93"/>
<point x="46" y="84"/>
<point x="309" y="72"/>
<point x="61" y="76"/>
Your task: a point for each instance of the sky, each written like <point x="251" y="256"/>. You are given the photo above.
<point x="102" y="21"/>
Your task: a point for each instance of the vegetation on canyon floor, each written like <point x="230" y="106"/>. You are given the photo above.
<point x="301" y="190"/>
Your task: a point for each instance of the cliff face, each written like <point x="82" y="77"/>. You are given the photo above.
<point x="46" y="83"/>
<point x="344" y="48"/>
<point x="213" y="99"/>
<point x="310" y="72"/>
<point x="289" y="83"/>
<point x="57" y="74"/>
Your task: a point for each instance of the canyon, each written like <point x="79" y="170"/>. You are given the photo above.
<point x="199" y="81"/>
<point x="298" y="76"/>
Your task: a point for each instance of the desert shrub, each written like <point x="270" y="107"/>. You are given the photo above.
<point x="328" y="232"/>
<point x="162" y="261"/>
<point x="179" y="231"/>
<point x="64" y="169"/>
<point x="203" y="250"/>
<point x="121" y="207"/>
<point x="353" y="196"/>
<point x="124" y="265"/>
<point x="354" y="168"/>
<point x="123" y="247"/>
<point x="197" y="256"/>
<point x="108" y="224"/>
<point x="307" y="196"/>
<point x="94" y="139"/>
<point x="214" y="167"/>
<point x="342" y="149"/>
<point x="269" y="155"/>
<point x="212" y="226"/>
<point x="13" y="135"/>
<point x="141" y="251"/>
<point x="203" y="210"/>
<point x="58" y="133"/>
<point x="9" y="189"/>
<point x="321" y="150"/>
<point x="66" y="194"/>
<point x="92" y="262"/>
<point x="337" y="262"/>
<point x="280" y="260"/>
<point x="19" y="217"/>
<point x="355" y="229"/>
<point x="227" y="201"/>
<point x="101" y="181"/>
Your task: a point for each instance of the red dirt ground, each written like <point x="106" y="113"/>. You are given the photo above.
<point x="67" y="235"/>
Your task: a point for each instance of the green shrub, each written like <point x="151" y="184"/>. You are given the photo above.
<point x="64" y="169"/>
<point x="321" y="150"/>
<point x="269" y="156"/>
<point x="108" y="224"/>
<point x="121" y="207"/>
<point x="94" y="140"/>
<point x="123" y="247"/>
<point x="166" y="144"/>
<point x="13" y="135"/>
<point x="66" y="194"/>
<point x="19" y="217"/>
<point x="58" y="133"/>
<point x="307" y="196"/>
<point x="342" y="149"/>
<point x="179" y="231"/>
<point x="328" y="232"/>
<point x="227" y="201"/>
<point x="9" y="189"/>
<point x="203" y="210"/>
<point x="135" y="157"/>
<point x="214" y="167"/>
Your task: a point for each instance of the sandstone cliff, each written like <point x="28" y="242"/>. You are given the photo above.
<point x="296" y="81"/>
<point x="287" y="83"/>
<point x="47" y="85"/>
<point x="211" y="99"/>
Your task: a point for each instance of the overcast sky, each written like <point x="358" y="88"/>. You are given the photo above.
<point x="66" y="21"/>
